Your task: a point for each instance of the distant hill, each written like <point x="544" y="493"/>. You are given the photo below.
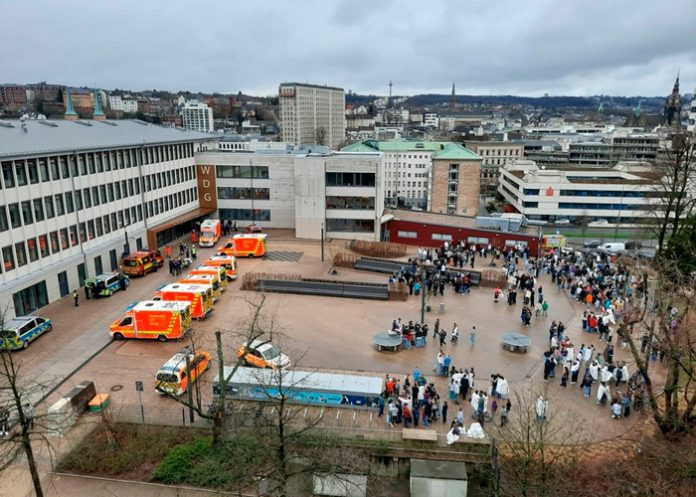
<point x="433" y="100"/>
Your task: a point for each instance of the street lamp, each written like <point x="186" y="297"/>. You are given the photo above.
<point x="322" y="242"/>
<point x="126" y="245"/>
<point x="423" y="289"/>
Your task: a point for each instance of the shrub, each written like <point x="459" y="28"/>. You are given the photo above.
<point x="177" y="466"/>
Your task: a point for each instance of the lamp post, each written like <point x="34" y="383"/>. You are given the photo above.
<point x="126" y="245"/>
<point x="322" y="242"/>
<point x="423" y="289"/>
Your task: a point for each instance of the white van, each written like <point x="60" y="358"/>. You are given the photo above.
<point x="612" y="248"/>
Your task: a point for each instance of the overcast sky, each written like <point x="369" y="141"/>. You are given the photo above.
<point x="523" y="47"/>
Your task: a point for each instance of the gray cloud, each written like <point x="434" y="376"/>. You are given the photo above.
<point x="495" y="46"/>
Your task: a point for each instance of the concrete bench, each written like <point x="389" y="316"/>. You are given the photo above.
<point x="417" y="434"/>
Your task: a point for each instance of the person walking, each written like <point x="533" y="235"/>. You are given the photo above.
<point x="542" y="407"/>
<point x="76" y="298"/>
<point x="29" y="415"/>
<point x="472" y="336"/>
<point x="436" y="331"/>
<point x="193" y="252"/>
<point x="4" y="421"/>
<point x="168" y="251"/>
<point x="444" y="410"/>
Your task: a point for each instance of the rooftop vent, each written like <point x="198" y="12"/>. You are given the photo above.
<point x="139" y="121"/>
<point x="110" y="123"/>
<point x="46" y="122"/>
<point x="5" y="124"/>
<point x="84" y="123"/>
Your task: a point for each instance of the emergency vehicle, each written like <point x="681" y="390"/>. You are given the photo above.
<point x="229" y="262"/>
<point x="199" y="296"/>
<point x="172" y="377"/>
<point x="154" y="320"/>
<point x="211" y="229"/>
<point x="204" y="279"/>
<point x="245" y="245"/>
<point x="142" y="262"/>
<point x="220" y="271"/>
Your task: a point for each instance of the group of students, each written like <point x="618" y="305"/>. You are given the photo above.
<point x="413" y="402"/>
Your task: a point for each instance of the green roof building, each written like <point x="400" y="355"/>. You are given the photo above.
<point x="417" y="174"/>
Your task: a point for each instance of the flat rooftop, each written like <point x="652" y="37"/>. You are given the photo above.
<point x="40" y="137"/>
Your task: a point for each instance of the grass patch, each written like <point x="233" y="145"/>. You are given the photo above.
<point x="197" y="463"/>
<point x="138" y="449"/>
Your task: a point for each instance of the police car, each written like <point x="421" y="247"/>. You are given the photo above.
<point x="20" y="331"/>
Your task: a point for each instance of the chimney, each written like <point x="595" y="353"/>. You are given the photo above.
<point x="98" y="114"/>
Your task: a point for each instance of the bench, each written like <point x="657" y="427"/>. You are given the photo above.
<point x="420" y="435"/>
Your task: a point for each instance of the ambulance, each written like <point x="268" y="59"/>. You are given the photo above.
<point x="229" y="262"/>
<point x="172" y="377"/>
<point x="204" y="279"/>
<point x="211" y="230"/>
<point x="199" y="296"/>
<point x="142" y="262"/>
<point x="220" y="271"/>
<point x="245" y="245"/>
<point x="154" y="320"/>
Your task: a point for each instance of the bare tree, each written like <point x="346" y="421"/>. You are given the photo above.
<point x="533" y="449"/>
<point x="320" y="136"/>
<point x="672" y="333"/>
<point x="676" y="187"/>
<point x="17" y="400"/>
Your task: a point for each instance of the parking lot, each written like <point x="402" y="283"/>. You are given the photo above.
<point x="316" y="332"/>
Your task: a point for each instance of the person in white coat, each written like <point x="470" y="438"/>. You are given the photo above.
<point x="503" y="388"/>
<point x="542" y="408"/>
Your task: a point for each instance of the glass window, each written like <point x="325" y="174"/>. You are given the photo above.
<point x="38" y="210"/>
<point x="70" y="207"/>
<point x="107" y="225"/>
<point x="78" y="199"/>
<point x="43" y="169"/>
<point x="98" y="225"/>
<point x="110" y="190"/>
<point x="244" y="193"/>
<point x="73" y="166"/>
<point x="102" y="194"/>
<point x="55" y="245"/>
<point x="8" y="174"/>
<point x="87" y="198"/>
<point x="260" y="172"/>
<point x="21" y="254"/>
<point x="26" y="212"/>
<point x="83" y="164"/>
<point x="4" y="226"/>
<point x="33" y="250"/>
<point x="31" y="298"/>
<point x="8" y="261"/>
<point x="350" y="225"/>
<point x="95" y="196"/>
<point x="21" y="173"/>
<point x="73" y="236"/>
<point x="98" y="160"/>
<point x="83" y="232"/>
<point x="15" y="219"/>
<point x="48" y="204"/>
<point x="64" y="166"/>
<point x="60" y="208"/>
<point x="64" y="240"/>
<point x="90" y="229"/>
<point x="90" y="163"/>
<point x="43" y="246"/>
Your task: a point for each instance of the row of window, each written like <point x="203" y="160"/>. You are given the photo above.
<point x="237" y="193"/>
<point x="44" y="169"/>
<point x="245" y="214"/>
<point x="38" y="209"/>
<point x="32" y="249"/>
<point x="350" y="179"/>
<point x="255" y="172"/>
<point x="610" y="207"/>
<point x="350" y="203"/>
<point x="350" y="225"/>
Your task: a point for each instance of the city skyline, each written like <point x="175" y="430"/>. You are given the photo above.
<point x="487" y="49"/>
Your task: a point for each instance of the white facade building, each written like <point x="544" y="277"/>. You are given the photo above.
<point x="72" y="193"/>
<point x="624" y="194"/>
<point x="312" y="115"/>
<point x="118" y="103"/>
<point x="244" y="144"/>
<point x="691" y="119"/>
<point x="301" y="190"/>
<point x="197" y="116"/>
<point x="430" y="120"/>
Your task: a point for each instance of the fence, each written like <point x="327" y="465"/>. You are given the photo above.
<point x="249" y="279"/>
<point x="378" y="249"/>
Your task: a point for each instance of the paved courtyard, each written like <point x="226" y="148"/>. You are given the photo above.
<point x="317" y="333"/>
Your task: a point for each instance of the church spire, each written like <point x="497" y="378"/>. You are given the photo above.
<point x="672" y="112"/>
<point x="70" y="114"/>
<point x="453" y="99"/>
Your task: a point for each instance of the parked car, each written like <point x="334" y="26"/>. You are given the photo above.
<point x="562" y="221"/>
<point x="599" y="223"/>
<point x="592" y="243"/>
<point x="254" y="228"/>
<point x="633" y="244"/>
<point x="613" y="248"/>
<point x="20" y="331"/>
<point x="262" y="354"/>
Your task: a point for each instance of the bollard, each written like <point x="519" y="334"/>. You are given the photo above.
<point x="442" y="307"/>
